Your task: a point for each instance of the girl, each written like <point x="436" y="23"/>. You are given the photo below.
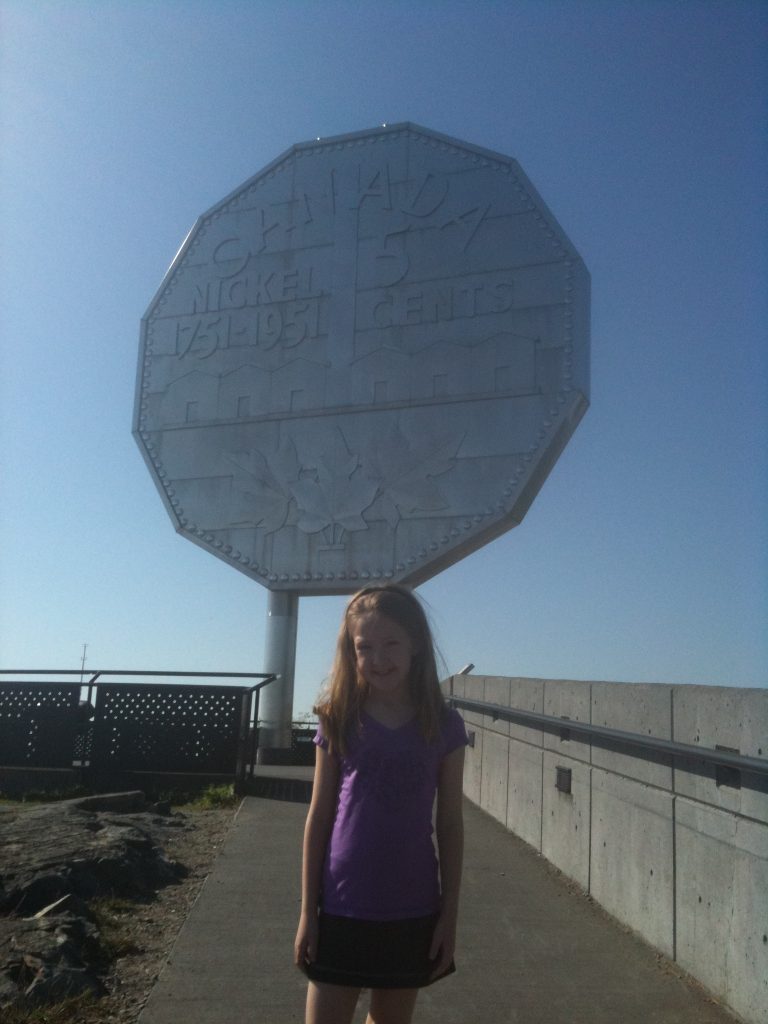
<point x="376" y="911"/>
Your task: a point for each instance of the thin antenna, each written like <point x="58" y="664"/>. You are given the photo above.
<point x="82" y="663"/>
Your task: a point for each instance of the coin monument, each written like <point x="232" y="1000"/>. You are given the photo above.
<point x="362" y="364"/>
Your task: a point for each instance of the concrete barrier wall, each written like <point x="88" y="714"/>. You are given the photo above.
<point x="674" y="852"/>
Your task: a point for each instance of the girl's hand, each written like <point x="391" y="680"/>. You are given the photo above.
<point x="305" y="946"/>
<point x="443" y="945"/>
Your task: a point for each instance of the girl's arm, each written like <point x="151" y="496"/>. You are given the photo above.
<point x="449" y="827"/>
<point x="316" y="833"/>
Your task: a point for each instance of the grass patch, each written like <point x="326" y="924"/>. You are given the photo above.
<point x="45" y="796"/>
<point x="214" y="798"/>
<point x="217" y="796"/>
<point x="68" y="1011"/>
<point x="110" y="914"/>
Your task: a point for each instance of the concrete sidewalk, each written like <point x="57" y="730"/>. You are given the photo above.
<point x="532" y="949"/>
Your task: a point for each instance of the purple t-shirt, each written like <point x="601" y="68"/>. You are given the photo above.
<point x="380" y="864"/>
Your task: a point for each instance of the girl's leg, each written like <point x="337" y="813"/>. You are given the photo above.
<point x="330" y="1004"/>
<point x="392" y="1005"/>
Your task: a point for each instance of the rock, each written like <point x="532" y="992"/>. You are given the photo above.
<point x="55" y="858"/>
<point x="58" y="849"/>
<point x="47" y="961"/>
<point x="123" y="803"/>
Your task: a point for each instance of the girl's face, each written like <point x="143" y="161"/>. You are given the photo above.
<point x="383" y="653"/>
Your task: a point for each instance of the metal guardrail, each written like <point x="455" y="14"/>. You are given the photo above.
<point x="90" y="681"/>
<point x="93" y="677"/>
<point x="607" y="736"/>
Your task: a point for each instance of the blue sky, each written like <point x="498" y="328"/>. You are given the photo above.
<point x="643" y="126"/>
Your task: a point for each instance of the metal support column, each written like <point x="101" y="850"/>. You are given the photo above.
<point x="276" y="710"/>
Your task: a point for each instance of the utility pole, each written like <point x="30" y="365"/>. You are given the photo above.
<point x="82" y="663"/>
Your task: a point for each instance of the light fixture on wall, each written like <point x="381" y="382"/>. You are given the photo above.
<point x="563" y="779"/>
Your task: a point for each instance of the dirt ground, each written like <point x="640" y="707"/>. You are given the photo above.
<point x="143" y="934"/>
<point x="151" y="931"/>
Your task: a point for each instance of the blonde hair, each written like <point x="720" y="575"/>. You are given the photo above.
<point x="341" y="703"/>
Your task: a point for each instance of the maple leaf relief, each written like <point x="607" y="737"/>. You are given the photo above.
<point x="259" y="495"/>
<point x="336" y="494"/>
<point x="274" y="490"/>
<point x="406" y="473"/>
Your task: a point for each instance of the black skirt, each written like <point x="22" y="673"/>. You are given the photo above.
<point x="374" y="954"/>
